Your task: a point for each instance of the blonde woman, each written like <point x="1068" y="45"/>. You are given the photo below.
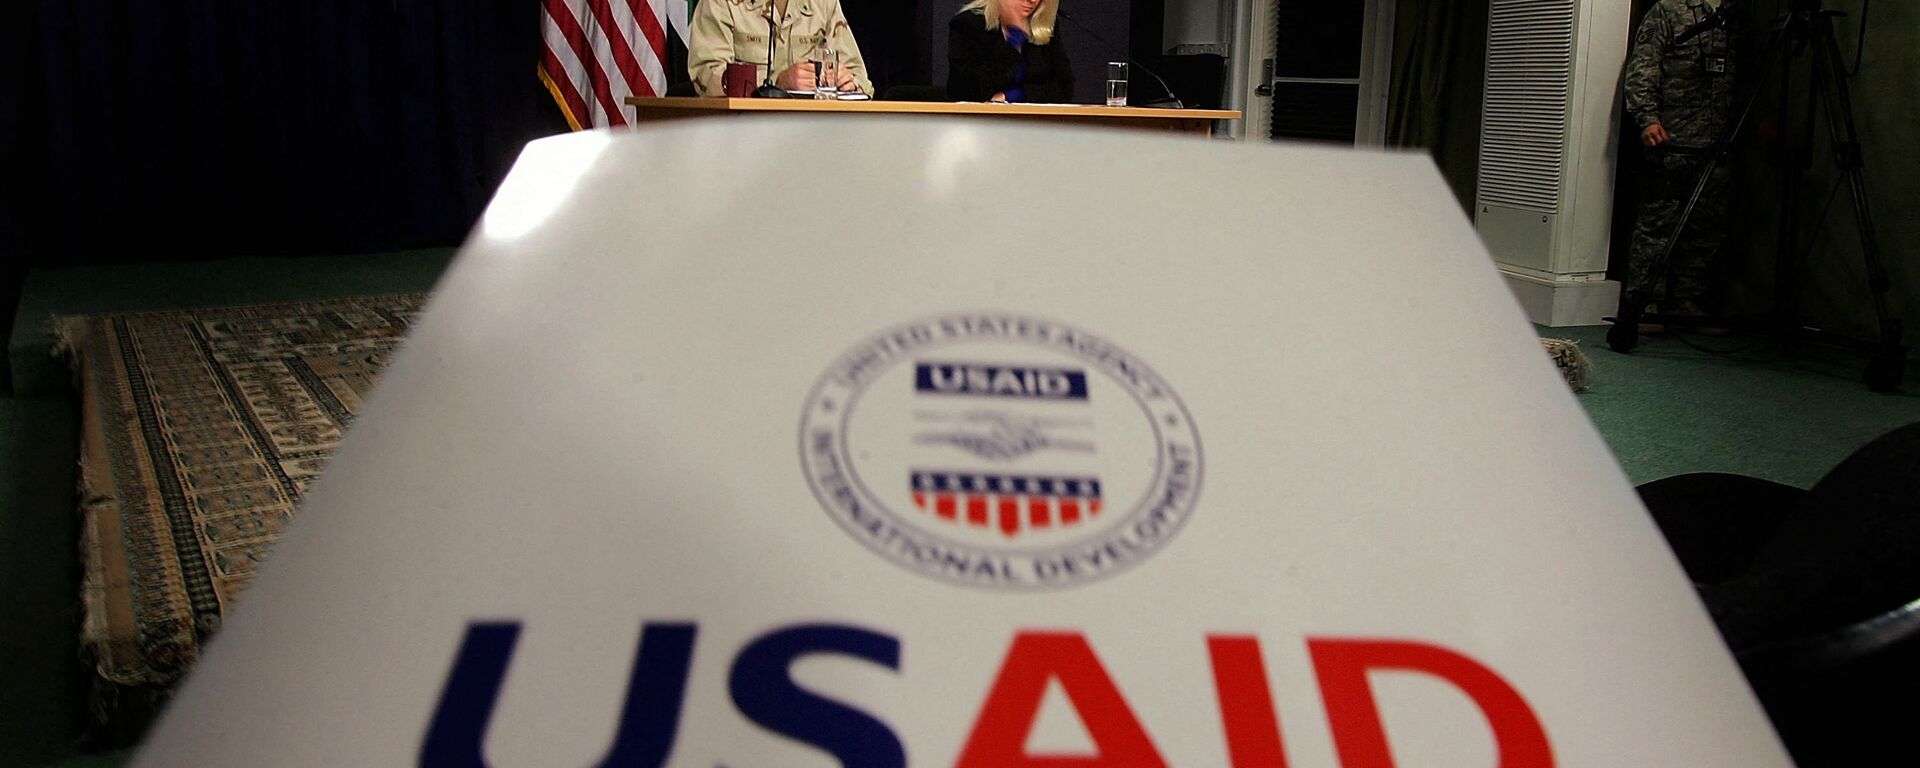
<point x="1007" y="50"/>
<point x="729" y="31"/>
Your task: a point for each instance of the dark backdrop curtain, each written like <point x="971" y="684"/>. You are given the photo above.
<point x="892" y="40"/>
<point x="196" y="129"/>
<point x="203" y="128"/>
<point x="1439" y="65"/>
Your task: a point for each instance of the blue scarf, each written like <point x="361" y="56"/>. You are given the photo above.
<point x="1018" y="39"/>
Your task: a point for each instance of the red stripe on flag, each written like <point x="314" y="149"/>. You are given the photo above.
<point x="577" y="40"/>
<point x="649" y="19"/>
<point x="622" y="52"/>
<point x="563" y="87"/>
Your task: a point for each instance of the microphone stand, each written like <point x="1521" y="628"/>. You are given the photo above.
<point x="1170" y="102"/>
<point x="769" y="89"/>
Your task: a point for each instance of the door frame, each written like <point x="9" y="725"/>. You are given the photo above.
<point x="1256" y="35"/>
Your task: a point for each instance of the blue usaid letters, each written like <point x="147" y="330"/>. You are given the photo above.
<point x="761" y="689"/>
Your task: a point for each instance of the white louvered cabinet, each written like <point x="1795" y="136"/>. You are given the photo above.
<point x="1551" y="110"/>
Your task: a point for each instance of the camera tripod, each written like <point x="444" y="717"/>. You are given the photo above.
<point x="1803" y="26"/>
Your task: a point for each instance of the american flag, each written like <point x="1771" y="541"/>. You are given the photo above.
<point x="1011" y="504"/>
<point x="599" y="52"/>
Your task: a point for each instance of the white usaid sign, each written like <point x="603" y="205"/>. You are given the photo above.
<point x="867" y="442"/>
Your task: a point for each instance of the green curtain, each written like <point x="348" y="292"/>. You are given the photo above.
<point x="1439" y="65"/>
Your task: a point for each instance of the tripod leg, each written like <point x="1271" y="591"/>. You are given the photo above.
<point x="1795" y="155"/>
<point x="1663" y="263"/>
<point x="1625" y="333"/>
<point x="1888" y="364"/>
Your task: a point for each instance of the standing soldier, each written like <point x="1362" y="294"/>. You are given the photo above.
<point x="1680" y="89"/>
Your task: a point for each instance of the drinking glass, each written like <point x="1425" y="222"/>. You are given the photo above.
<point x="1116" y="83"/>
<point x="826" y="73"/>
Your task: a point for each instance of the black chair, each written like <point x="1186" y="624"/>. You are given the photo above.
<point x="1716" y="523"/>
<point x="1816" y="592"/>
<point x="681" y="89"/>
<point x="916" y="93"/>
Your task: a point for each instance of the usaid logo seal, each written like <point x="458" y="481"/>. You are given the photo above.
<point x="1000" y="451"/>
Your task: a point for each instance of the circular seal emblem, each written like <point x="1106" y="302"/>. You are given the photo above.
<point x="1000" y="451"/>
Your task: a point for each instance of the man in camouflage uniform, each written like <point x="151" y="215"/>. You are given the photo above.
<point x="1682" y="96"/>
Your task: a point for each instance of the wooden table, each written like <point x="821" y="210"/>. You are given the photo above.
<point x="648" y="109"/>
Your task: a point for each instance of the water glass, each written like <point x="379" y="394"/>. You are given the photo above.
<point x="826" y="73"/>
<point x="1116" y="83"/>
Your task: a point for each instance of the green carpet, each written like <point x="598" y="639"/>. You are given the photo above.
<point x="1784" y="414"/>
<point x="1773" y="411"/>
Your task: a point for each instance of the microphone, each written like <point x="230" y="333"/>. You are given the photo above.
<point x="1170" y="102"/>
<point x="1715" y="20"/>
<point x="768" y="89"/>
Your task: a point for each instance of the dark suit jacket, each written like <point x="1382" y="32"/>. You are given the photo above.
<point x="980" y="63"/>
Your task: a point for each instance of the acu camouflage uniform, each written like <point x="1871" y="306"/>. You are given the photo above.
<point x="1689" y="89"/>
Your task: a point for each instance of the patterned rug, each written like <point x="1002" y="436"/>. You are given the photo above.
<point x="201" y="430"/>
<point x="1573" y="364"/>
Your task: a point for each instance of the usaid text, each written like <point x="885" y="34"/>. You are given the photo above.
<point x="763" y="690"/>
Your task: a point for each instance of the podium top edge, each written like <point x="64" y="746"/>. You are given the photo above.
<point x="727" y="104"/>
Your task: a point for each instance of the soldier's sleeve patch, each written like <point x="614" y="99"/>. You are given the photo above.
<point x="1655" y="28"/>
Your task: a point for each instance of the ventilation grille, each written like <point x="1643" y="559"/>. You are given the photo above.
<point x="1523" y="133"/>
<point x="1315" y="111"/>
